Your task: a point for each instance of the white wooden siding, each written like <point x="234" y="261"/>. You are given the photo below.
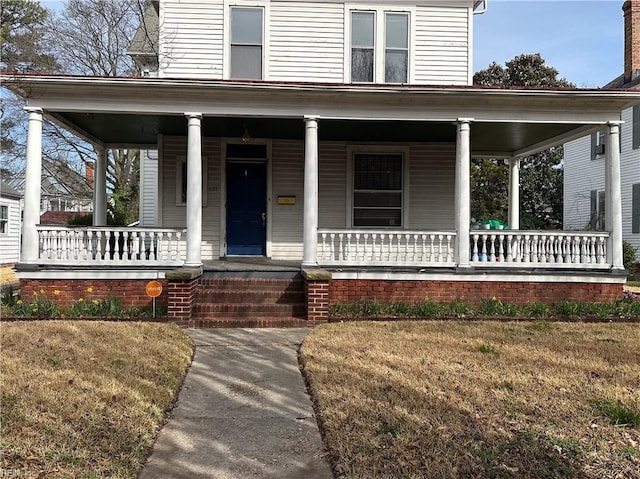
<point x="149" y="188"/>
<point x="191" y="39"/>
<point x="332" y="194"/>
<point x="431" y="188"/>
<point x="306" y="42"/>
<point x="10" y="241"/>
<point x="287" y="165"/>
<point x="442" y="50"/>
<point x="175" y="149"/>
<point x="581" y="175"/>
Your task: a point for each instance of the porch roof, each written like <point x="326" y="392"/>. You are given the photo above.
<point x="506" y="122"/>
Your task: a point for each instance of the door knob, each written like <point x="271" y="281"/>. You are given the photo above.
<point x="264" y="220"/>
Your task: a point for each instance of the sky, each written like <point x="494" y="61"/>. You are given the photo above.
<point x="582" y="39"/>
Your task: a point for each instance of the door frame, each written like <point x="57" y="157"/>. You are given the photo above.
<point x="223" y="189"/>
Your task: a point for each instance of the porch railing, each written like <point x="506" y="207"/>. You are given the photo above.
<point x="111" y="246"/>
<point x="553" y="249"/>
<point x="489" y="248"/>
<point x="385" y="248"/>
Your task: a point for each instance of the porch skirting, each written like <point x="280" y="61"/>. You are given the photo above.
<point x="195" y="297"/>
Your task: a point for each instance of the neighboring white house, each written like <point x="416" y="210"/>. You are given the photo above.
<point x="10" y="223"/>
<point x="332" y="133"/>
<point x="584" y="158"/>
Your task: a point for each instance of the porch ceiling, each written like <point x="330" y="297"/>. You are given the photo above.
<point x="487" y="137"/>
<point x="127" y="111"/>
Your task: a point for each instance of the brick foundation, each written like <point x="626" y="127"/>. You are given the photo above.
<point x="317" y="284"/>
<point x="183" y="287"/>
<point x="130" y="291"/>
<point x="471" y="292"/>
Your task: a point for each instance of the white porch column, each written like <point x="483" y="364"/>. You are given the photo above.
<point x="32" y="185"/>
<point x="194" y="190"/>
<point x="613" y="197"/>
<point x="463" y="192"/>
<point x="514" y="193"/>
<point x="100" y="188"/>
<point x="310" y="225"/>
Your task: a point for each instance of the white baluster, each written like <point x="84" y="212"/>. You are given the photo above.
<point x="501" y="248"/>
<point x="475" y="238"/>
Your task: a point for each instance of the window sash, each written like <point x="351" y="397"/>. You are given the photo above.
<point x="378" y="189"/>
<point x="4" y="219"/>
<point x="363" y="46"/>
<point x="246" y="46"/>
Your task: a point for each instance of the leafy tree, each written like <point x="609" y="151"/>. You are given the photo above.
<point x="541" y="175"/>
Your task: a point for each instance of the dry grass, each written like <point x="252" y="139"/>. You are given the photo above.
<point x="85" y="398"/>
<point x="477" y="399"/>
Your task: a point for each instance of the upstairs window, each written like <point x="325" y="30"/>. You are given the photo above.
<point x="362" y="46"/>
<point x="598" y="144"/>
<point x="396" y="53"/>
<point x="246" y="43"/>
<point x="379" y="47"/>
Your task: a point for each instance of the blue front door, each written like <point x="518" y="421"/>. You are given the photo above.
<point x="246" y="208"/>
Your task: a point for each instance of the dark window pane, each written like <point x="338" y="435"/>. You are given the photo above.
<point x="378" y="199"/>
<point x="377" y="217"/>
<point x="377" y="172"/>
<point x="361" y="65"/>
<point x="183" y="193"/>
<point x="395" y="66"/>
<point x="246" y="62"/>
<point x="246" y="26"/>
<point x="397" y="30"/>
<point x="362" y="29"/>
<point x="246" y="151"/>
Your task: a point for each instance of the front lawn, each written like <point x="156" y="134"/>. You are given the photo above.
<point x="85" y="398"/>
<point x="477" y="399"/>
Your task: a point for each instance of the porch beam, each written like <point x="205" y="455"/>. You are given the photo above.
<point x="194" y="189"/>
<point x="613" y="196"/>
<point x="463" y="191"/>
<point x="32" y="187"/>
<point x="310" y="224"/>
<point x="100" y="188"/>
<point x="514" y="193"/>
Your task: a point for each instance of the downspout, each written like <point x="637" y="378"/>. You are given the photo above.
<point x="485" y="6"/>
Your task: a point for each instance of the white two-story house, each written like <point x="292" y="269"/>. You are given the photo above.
<point x="325" y="140"/>
<point x="584" y="159"/>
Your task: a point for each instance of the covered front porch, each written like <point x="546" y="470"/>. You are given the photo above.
<point x="315" y="214"/>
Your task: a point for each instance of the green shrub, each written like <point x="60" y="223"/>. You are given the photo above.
<point x="629" y="258"/>
<point x="617" y="412"/>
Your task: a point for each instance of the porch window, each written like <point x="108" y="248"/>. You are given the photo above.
<point x="377" y="190"/>
<point x="246" y="43"/>
<point x="597" y="220"/>
<point x="396" y="54"/>
<point x="4" y="219"/>
<point x="598" y="140"/>
<point x="181" y="182"/>
<point x="362" y="46"/>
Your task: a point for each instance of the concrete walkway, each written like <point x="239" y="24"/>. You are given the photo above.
<point x="243" y="412"/>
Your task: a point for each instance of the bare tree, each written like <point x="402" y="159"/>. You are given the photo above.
<point x="91" y="37"/>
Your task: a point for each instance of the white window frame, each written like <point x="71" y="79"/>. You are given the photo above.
<point x="228" y="5"/>
<point x="406" y="167"/>
<point x="380" y="12"/>
<point x="3" y="219"/>
<point x="181" y="161"/>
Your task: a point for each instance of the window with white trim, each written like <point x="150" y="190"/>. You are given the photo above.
<point x="4" y="219"/>
<point x="378" y="189"/>
<point x="379" y="46"/>
<point x="181" y="182"/>
<point x="247" y="42"/>
<point x="597" y="219"/>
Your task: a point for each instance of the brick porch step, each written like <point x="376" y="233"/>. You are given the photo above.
<point x="253" y="323"/>
<point x="250" y="302"/>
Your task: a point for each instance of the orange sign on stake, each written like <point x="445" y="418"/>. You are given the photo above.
<point x="153" y="289"/>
